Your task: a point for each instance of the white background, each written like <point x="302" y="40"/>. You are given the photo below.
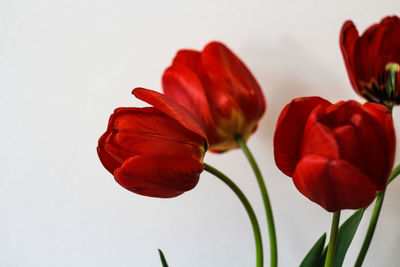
<point x="64" y="67"/>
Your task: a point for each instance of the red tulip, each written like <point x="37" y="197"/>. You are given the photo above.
<point x="153" y="151"/>
<point x="338" y="155"/>
<point x="368" y="57"/>
<point x="217" y="88"/>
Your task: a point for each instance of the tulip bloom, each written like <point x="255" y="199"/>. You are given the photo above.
<point x="154" y="151"/>
<point x="368" y="58"/>
<point x="338" y="155"/>
<point x="218" y="89"/>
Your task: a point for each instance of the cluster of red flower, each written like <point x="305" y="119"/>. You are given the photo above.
<point x="210" y="98"/>
<point x="339" y="155"/>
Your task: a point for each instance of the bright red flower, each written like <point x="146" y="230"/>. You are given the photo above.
<point x="338" y="155"/>
<point x="217" y="88"/>
<point x="367" y="57"/>
<point x="154" y="151"/>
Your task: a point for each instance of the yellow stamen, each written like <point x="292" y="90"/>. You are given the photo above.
<point x="393" y="66"/>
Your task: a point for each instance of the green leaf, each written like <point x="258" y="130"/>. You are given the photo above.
<point x="163" y="260"/>
<point x="346" y="233"/>
<point x="314" y="256"/>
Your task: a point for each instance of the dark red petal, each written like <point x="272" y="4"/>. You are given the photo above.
<point x="233" y="83"/>
<point x="385" y="121"/>
<point x="121" y="110"/>
<point x="367" y="59"/>
<point x="348" y="39"/>
<point x="374" y="149"/>
<point x="188" y="72"/>
<point x="192" y="60"/>
<point x="333" y="184"/>
<point x="159" y="175"/>
<point x="147" y="131"/>
<point x="391" y="40"/>
<point x="289" y="131"/>
<point x="350" y="147"/>
<point x="127" y="144"/>
<point x="390" y="20"/>
<point x="186" y="88"/>
<point x="171" y="108"/>
<point x="388" y="50"/>
<point x="371" y="155"/>
<point x="150" y="122"/>
<point x="108" y="161"/>
<point x="317" y="138"/>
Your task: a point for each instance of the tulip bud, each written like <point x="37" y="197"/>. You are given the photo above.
<point x="218" y="89"/>
<point x="154" y="151"/>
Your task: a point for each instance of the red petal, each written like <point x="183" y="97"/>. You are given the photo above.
<point x="108" y="161"/>
<point x="171" y="108"/>
<point x="385" y="121"/>
<point x="192" y="60"/>
<point x="372" y="152"/>
<point x="348" y="39"/>
<point x="233" y="83"/>
<point x="391" y="39"/>
<point x="159" y="175"/>
<point x="390" y="20"/>
<point x="152" y="123"/>
<point x="388" y="50"/>
<point x="318" y="139"/>
<point x="186" y="81"/>
<point x="184" y="86"/>
<point x="147" y="131"/>
<point x="289" y="131"/>
<point x="350" y="148"/>
<point x="367" y="59"/>
<point x="374" y="149"/>
<point x="333" y="184"/>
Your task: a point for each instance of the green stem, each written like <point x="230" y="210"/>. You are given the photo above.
<point x="265" y="197"/>
<point x="371" y="229"/>
<point x="391" y="85"/>
<point x="330" y="256"/>
<point x="247" y="206"/>
<point x="395" y="172"/>
<point x="374" y="220"/>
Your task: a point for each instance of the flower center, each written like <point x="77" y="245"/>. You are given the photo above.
<point x="391" y="82"/>
<point x="392" y="67"/>
<point x="384" y="88"/>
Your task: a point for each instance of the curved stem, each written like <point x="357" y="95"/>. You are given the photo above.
<point x="247" y="206"/>
<point x="265" y="197"/>
<point x="374" y="220"/>
<point x="395" y="172"/>
<point x="330" y="256"/>
<point x="371" y="228"/>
